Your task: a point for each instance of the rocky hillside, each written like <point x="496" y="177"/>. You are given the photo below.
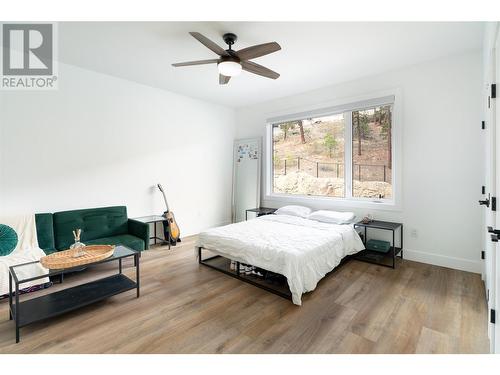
<point x="304" y="183"/>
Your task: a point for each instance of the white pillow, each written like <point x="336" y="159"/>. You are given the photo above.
<point x="334" y="217"/>
<point x="291" y="210"/>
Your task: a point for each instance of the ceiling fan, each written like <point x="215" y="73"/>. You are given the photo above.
<point x="231" y="62"/>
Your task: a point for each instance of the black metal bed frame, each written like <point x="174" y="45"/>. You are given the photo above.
<point x="262" y="284"/>
<point x="238" y="275"/>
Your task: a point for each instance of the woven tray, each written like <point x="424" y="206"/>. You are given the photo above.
<point x="65" y="259"/>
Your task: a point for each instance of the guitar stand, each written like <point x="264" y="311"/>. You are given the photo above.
<point x="174" y="243"/>
<point x="168" y="239"/>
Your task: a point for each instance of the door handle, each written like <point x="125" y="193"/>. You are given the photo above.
<point x="485" y="202"/>
<point x="494" y="237"/>
<point x="494" y="231"/>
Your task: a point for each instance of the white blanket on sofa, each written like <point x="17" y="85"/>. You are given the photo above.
<point x="27" y="250"/>
<point x="302" y="250"/>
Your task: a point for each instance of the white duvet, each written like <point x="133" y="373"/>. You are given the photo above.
<point x="302" y="250"/>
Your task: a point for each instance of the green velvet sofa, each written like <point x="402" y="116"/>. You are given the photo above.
<point x="103" y="226"/>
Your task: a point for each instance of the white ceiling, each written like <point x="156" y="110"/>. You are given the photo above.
<point x="313" y="55"/>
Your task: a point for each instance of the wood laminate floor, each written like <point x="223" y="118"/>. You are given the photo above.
<point x="188" y="308"/>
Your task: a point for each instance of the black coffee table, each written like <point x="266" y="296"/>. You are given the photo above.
<point x="57" y="303"/>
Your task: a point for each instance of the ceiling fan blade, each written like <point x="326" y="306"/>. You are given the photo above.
<point x="223" y="79"/>
<point x="198" y="62"/>
<point x="209" y="44"/>
<point x="257" y="51"/>
<point x="259" y="69"/>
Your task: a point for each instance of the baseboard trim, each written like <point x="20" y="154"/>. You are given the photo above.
<point x="443" y="261"/>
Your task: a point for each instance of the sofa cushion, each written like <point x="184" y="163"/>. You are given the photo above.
<point x="128" y="240"/>
<point x="45" y="232"/>
<point x="94" y="222"/>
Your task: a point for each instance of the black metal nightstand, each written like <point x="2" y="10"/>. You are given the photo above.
<point x="260" y="211"/>
<point x="376" y="257"/>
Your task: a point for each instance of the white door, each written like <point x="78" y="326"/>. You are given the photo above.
<point x="492" y="218"/>
<point x="491" y="183"/>
<point x="495" y="118"/>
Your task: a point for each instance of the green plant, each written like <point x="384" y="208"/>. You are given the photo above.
<point x="330" y="143"/>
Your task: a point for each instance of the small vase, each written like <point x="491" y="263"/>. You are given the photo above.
<point x="78" y="246"/>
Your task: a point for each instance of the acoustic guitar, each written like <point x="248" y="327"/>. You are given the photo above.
<point x="171" y="224"/>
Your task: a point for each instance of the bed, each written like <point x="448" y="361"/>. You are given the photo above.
<point x="301" y="250"/>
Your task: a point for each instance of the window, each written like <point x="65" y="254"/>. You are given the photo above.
<point x="372" y="153"/>
<point x="344" y="152"/>
<point x="308" y="156"/>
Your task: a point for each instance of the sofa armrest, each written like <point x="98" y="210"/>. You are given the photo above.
<point x="140" y="230"/>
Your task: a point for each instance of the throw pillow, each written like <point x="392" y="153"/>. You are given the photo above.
<point x="8" y="239"/>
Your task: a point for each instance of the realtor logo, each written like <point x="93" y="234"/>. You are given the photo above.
<point x="28" y="58"/>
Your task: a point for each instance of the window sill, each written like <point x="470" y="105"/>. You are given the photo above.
<point x="320" y="202"/>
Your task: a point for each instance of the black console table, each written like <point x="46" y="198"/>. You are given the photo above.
<point x="60" y="302"/>
<point x="376" y="257"/>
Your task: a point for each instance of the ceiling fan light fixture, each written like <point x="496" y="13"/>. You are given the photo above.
<point x="229" y="68"/>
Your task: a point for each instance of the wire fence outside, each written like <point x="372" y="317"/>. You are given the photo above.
<point x="360" y="172"/>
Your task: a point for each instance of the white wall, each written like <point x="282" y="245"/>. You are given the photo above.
<point x="102" y="141"/>
<point x="442" y="161"/>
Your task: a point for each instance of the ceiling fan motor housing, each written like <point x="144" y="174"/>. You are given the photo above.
<point x="232" y="57"/>
<point x="229" y="39"/>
